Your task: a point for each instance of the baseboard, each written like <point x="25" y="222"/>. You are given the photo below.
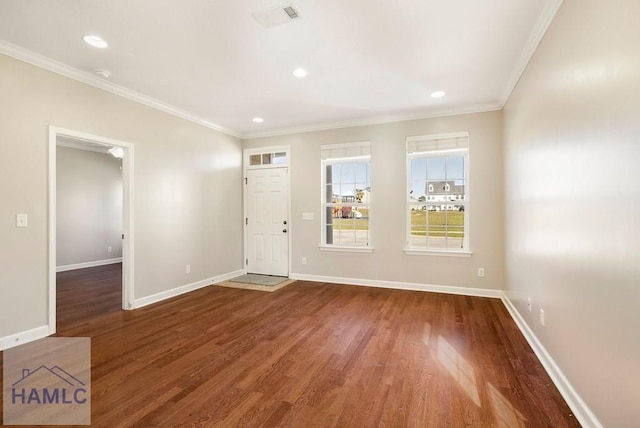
<point x="465" y="291"/>
<point x="158" y="297"/>
<point x="75" y="266"/>
<point x="24" y="337"/>
<point x="581" y="411"/>
<point x="227" y="276"/>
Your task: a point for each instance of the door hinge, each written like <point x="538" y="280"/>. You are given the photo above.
<point x="246" y="221"/>
<point x="245" y="180"/>
<point x="123" y="236"/>
<point x="246" y="262"/>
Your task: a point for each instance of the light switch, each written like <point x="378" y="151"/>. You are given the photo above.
<point x="21" y="220"/>
<point x="307" y="216"/>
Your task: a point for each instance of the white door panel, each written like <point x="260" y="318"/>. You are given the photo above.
<point x="267" y="221"/>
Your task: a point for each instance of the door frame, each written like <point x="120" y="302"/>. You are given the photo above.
<point x="127" y="220"/>
<point x="246" y="153"/>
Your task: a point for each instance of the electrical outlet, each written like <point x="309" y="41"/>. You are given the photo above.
<point x="187" y="269"/>
<point x="304" y="260"/>
<point x="529" y="303"/>
<point x="481" y="272"/>
<point x="109" y="249"/>
<point x="542" y="316"/>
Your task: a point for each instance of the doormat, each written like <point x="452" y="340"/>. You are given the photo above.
<point x="252" y="278"/>
<point x="240" y="282"/>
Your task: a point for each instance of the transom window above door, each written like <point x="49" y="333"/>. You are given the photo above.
<point x="271" y="158"/>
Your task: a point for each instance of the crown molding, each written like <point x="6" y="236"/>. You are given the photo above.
<point x="541" y="27"/>
<point x="46" y="63"/>
<point x="538" y="32"/>
<point x="379" y="120"/>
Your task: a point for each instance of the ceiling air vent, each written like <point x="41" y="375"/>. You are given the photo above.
<point x="276" y="16"/>
<point x="293" y="14"/>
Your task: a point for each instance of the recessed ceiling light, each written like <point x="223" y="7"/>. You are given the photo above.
<point x="95" y="41"/>
<point x="299" y="73"/>
<point x="258" y="119"/>
<point x="438" y="94"/>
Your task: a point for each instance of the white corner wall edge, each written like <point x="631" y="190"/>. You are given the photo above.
<point x="580" y="409"/>
<point x="537" y="34"/>
<point x="23" y="337"/>
<point x="83" y="265"/>
<point x="464" y="291"/>
<point x="164" y="295"/>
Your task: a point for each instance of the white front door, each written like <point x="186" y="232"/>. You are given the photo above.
<point x="267" y="221"/>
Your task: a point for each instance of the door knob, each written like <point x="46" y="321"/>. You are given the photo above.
<point x="284" y="222"/>
<point x="284" y="230"/>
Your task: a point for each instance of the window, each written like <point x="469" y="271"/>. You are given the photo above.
<point x="437" y="206"/>
<point x="268" y="159"/>
<point x="346" y="195"/>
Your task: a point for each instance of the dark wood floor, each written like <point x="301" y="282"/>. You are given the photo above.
<point x="310" y="354"/>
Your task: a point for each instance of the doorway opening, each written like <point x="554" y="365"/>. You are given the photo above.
<point x="90" y="223"/>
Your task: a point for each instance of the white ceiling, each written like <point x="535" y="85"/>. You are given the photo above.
<point x="211" y="61"/>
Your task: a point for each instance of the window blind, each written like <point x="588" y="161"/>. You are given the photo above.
<point x="350" y="150"/>
<point x="420" y="145"/>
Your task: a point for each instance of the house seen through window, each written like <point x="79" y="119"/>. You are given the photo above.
<point x="437" y="204"/>
<point x="346" y="195"/>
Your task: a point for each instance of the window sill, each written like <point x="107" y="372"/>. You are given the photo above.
<point x="438" y="253"/>
<point x="337" y="248"/>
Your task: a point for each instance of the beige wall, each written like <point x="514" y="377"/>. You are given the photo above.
<point x="571" y="201"/>
<point x="88" y="206"/>
<point x="572" y="137"/>
<point x="388" y="171"/>
<point x="188" y="191"/>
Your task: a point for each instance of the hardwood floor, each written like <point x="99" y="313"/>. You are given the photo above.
<point x="308" y="355"/>
<point x="85" y="294"/>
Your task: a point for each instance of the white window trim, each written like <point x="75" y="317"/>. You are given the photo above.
<point x="346" y="248"/>
<point x="436" y="252"/>
<point x="465" y="251"/>
<point x="323" y="221"/>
